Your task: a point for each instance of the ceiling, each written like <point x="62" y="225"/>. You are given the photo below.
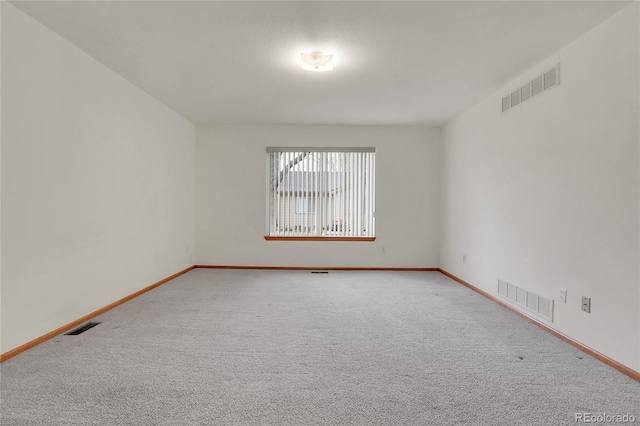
<point x="396" y="62"/>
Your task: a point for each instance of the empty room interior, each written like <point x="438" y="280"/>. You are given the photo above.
<point x="317" y="212"/>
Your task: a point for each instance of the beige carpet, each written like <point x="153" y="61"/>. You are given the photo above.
<point x="236" y="347"/>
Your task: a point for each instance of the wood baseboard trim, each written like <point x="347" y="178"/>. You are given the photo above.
<point x="315" y="268"/>
<point x="584" y="348"/>
<point x="10" y="354"/>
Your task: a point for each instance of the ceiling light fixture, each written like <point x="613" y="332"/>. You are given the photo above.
<point x="317" y="61"/>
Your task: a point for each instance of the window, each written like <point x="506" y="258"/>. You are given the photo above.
<point x="321" y="193"/>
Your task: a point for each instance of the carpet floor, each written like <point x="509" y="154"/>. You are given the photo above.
<point x="243" y="347"/>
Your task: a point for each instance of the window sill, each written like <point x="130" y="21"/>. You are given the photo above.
<point x="358" y="239"/>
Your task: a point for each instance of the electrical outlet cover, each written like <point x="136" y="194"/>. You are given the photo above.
<point x="563" y="295"/>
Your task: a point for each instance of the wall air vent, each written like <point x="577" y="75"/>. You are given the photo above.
<point x="541" y="83"/>
<point x="537" y="304"/>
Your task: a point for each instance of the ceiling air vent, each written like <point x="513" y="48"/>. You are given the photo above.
<point x="515" y="98"/>
<point x="536" y="86"/>
<point x="541" y="83"/>
<point x="525" y="92"/>
<point x="550" y="78"/>
<point x="506" y="103"/>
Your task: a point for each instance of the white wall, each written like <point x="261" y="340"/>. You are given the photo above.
<point x="97" y="184"/>
<point x="231" y="194"/>
<point x="0" y="179"/>
<point x="546" y="195"/>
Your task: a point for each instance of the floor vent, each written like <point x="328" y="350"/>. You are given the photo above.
<point x="535" y="303"/>
<point x="82" y="329"/>
<point x="541" y="83"/>
<point x="319" y="272"/>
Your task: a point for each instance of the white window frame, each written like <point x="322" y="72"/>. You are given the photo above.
<point x="339" y="180"/>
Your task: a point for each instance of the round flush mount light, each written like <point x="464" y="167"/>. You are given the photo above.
<point x="317" y="61"/>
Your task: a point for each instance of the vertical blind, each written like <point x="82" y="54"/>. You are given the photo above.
<point x="315" y="192"/>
